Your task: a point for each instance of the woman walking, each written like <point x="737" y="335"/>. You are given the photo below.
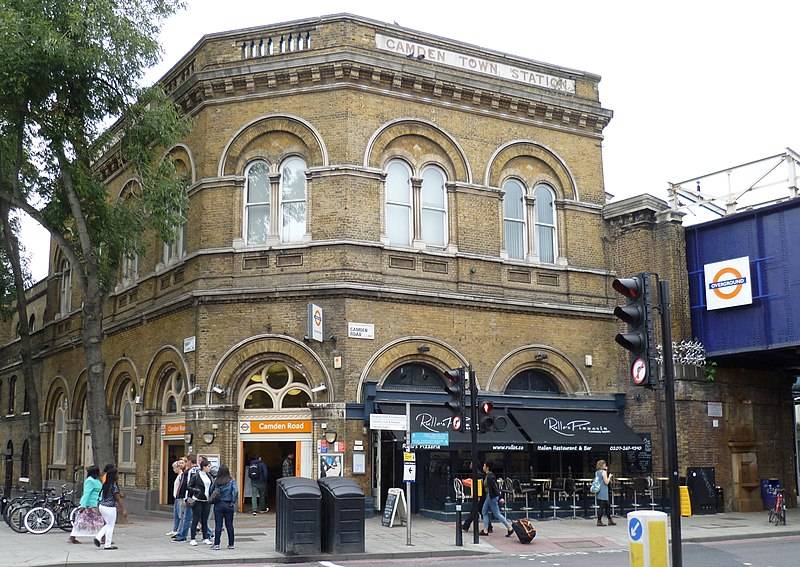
<point x="601" y="475"/>
<point x="491" y="504"/>
<point x="200" y="490"/>
<point x="110" y="500"/>
<point x="88" y="520"/>
<point x="224" y="495"/>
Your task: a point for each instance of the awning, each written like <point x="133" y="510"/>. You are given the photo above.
<point x="429" y="423"/>
<point x="560" y="430"/>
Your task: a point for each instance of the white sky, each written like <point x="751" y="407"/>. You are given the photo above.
<point x="694" y="86"/>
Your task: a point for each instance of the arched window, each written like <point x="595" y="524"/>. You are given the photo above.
<point x="32" y="323"/>
<point x="87" y="456"/>
<point x="60" y="433"/>
<point x="514" y="219"/>
<point x="434" y="207"/>
<point x="415" y="376"/>
<point x="545" y="223"/>
<point x="175" y="249"/>
<point x="293" y="200"/>
<point x="399" y="213"/>
<point x="130" y="268"/>
<point x="533" y="381"/>
<point x="65" y="288"/>
<point x="276" y="386"/>
<point x="127" y="426"/>
<point x="173" y="393"/>
<point x="257" y="203"/>
<point x="12" y="395"/>
<point x="25" y="465"/>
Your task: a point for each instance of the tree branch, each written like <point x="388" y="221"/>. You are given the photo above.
<point x="75" y="206"/>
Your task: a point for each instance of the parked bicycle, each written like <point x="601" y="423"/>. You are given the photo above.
<point x="55" y="511"/>
<point x="777" y="513"/>
<point x="18" y="507"/>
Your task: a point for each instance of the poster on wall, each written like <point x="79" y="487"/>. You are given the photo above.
<point x="331" y="464"/>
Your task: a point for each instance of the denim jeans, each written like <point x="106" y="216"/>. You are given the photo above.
<point x="177" y="514"/>
<point x="223" y="512"/>
<point x="491" y="505"/>
<point x="183" y="529"/>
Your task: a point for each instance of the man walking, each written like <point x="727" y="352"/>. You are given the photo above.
<point x="258" y="475"/>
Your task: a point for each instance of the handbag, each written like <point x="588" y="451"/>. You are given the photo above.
<point x="214" y="498"/>
<point x="595" y="487"/>
<point x="190" y="501"/>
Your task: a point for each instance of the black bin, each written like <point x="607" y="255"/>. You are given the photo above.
<point x="342" y="515"/>
<point x="298" y="505"/>
<point x="702" y="489"/>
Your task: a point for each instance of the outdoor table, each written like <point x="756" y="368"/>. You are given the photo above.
<point x="624" y="483"/>
<point x="542" y="483"/>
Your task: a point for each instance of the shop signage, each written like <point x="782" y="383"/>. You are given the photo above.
<point x="466" y="62"/>
<point x="315" y="322"/>
<point x="388" y="422"/>
<point x="569" y="428"/>
<point x="440" y="439"/>
<point x="275" y="426"/>
<point x="173" y="429"/>
<point x="360" y="330"/>
<point x="728" y="283"/>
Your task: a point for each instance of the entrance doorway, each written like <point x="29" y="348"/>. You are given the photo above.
<point x="272" y="453"/>
<point x="172" y="451"/>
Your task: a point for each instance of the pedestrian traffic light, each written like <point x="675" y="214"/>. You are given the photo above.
<point x="639" y="338"/>
<point x="486" y="418"/>
<point x="455" y="388"/>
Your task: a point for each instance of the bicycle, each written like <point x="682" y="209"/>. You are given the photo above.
<point x="777" y="514"/>
<point x="59" y="510"/>
<point x="17" y="509"/>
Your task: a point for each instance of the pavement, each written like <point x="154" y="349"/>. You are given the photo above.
<point x="142" y="542"/>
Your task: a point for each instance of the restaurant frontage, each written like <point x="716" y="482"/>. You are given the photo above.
<point x="538" y="443"/>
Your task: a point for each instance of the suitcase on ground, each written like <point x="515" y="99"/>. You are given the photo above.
<point x="524" y="530"/>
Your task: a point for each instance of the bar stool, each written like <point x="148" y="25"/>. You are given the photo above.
<point x="570" y="489"/>
<point x="525" y="492"/>
<point x="651" y="492"/>
<point x="556" y="489"/>
<point x="595" y="507"/>
<point x="612" y="504"/>
<point x="640" y="485"/>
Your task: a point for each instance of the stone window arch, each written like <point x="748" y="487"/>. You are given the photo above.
<point x="60" y="432"/>
<point x="415" y="376"/>
<point x="174" y="393"/>
<point x="533" y="381"/>
<point x="275" y="385"/>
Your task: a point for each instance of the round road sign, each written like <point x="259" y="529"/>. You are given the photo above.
<point x="456" y="423"/>
<point x="639" y="371"/>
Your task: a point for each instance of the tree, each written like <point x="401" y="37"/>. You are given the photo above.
<point x="68" y="68"/>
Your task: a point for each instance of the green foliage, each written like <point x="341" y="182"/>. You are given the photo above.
<point x="710" y="371"/>
<point x="68" y="68"/>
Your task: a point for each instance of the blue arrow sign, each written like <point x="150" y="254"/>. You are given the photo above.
<point x="635" y="529"/>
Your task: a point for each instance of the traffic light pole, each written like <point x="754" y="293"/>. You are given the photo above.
<point x="672" y="433"/>
<point x="473" y="445"/>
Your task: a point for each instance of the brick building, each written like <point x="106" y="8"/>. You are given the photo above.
<point x="436" y="203"/>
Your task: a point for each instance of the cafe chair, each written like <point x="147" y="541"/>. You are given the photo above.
<point x="556" y="490"/>
<point x="458" y="486"/>
<point x="640" y="486"/>
<point x="651" y="492"/>
<point x="572" y="492"/>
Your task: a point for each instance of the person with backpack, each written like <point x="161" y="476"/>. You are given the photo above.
<point x="224" y="496"/>
<point x="600" y="489"/>
<point x="258" y="475"/>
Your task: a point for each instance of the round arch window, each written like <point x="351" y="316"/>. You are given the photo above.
<point x="533" y="381"/>
<point x="415" y="376"/>
<point x="276" y="386"/>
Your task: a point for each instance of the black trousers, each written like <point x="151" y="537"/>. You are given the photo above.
<point x="604" y="507"/>
<point x="200" y="512"/>
<point x="468" y="521"/>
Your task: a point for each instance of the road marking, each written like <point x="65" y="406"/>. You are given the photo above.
<point x="329" y="564"/>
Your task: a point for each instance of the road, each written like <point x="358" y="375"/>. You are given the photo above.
<point x="772" y="552"/>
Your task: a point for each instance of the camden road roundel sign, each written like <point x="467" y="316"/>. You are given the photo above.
<point x="728" y="283"/>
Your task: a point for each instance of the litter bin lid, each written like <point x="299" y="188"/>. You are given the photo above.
<point x="299" y="487"/>
<point x="341" y="487"/>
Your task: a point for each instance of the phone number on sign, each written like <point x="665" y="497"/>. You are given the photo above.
<point x="625" y="448"/>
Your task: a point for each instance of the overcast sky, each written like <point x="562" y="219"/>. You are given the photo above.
<point x="694" y="86"/>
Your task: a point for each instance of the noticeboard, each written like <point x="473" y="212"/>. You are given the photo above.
<point x="640" y="462"/>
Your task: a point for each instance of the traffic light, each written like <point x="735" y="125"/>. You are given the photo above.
<point x="639" y="338"/>
<point x="455" y="387"/>
<point x="486" y="418"/>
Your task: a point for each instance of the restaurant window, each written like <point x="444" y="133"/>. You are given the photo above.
<point x="414" y="376"/>
<point x="533" y="382"/>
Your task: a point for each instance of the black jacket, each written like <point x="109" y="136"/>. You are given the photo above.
<point x="492" y="489"/>
<point x="197" y="488"/>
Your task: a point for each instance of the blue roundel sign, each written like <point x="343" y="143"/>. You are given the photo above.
<point x="635" y="529"/>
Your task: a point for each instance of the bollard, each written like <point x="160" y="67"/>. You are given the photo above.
<point x="647" y="539"/>
<point x="459" y="533"/>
